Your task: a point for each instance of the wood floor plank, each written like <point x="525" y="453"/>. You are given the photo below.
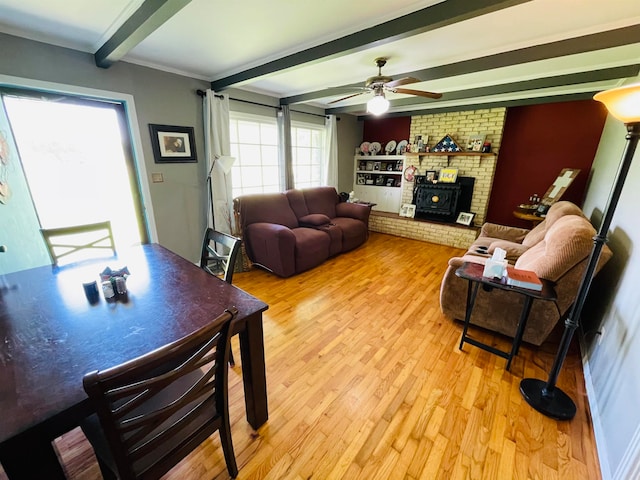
<point x="366" y="380"/>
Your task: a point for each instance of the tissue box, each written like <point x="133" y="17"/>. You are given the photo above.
<point x="494" y="268"/>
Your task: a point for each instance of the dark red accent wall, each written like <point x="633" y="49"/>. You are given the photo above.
<point x="539" y="141"/>
<point x="384" y="130"/>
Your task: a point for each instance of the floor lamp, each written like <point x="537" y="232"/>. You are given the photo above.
<point x="624" y="104"/>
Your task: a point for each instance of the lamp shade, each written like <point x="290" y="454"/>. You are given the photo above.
<point x="378" y="105"/>
<point x="225" y="162"/>
<point x="622" y="102"/>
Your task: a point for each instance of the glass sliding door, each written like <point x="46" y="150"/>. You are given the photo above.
<point x="77" y="159"/>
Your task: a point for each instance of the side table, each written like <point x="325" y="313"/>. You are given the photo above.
<point x="473" y="273"/>
<point x="527" y="214"/>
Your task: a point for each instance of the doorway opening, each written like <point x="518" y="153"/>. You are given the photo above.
<point x="78" y="162"/>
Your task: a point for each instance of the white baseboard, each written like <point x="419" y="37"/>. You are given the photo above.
<point x="601" y="444"/>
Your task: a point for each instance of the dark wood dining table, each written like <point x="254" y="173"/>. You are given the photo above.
<point x="51" y="335"/>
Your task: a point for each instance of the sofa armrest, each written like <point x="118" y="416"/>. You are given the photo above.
<point x="514" y="250"/>
<point x="456" y="262"/>
<point x="512" y="234"/>
<point x="353" y="210"/>
<point x="272" y="246"/>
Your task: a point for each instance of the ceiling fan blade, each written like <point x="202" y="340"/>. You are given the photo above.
<point x="401" y="81"/>
<point x="418" y="93"/>
<point x="344" y="98"/>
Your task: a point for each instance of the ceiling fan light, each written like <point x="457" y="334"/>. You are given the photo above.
<point x="378" y="105"/>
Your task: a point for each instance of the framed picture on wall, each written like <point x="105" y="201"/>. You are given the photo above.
<point x="172" y="144"/>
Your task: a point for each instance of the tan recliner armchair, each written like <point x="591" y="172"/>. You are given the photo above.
<point x="515" y="241"/>
<point x="561" y="255"/>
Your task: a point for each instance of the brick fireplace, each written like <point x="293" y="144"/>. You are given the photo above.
<point x="460" y="126"/>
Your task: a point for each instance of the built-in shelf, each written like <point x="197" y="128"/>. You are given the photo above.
<point x="378" y="179"/>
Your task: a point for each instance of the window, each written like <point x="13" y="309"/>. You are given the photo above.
<point x="254" y="144"/>
<point x="307" y="144"/>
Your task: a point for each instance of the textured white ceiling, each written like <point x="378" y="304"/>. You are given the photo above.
<point x="211" y="39"/>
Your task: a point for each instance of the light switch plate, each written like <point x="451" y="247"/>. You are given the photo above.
<point x="157" y="178"/>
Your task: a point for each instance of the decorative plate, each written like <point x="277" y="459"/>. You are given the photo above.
<point x="409" y="173"/>
<point x="402" y="147"/>
<point x="390" y="148"/>
<point x="364" y="148"/>
<point x="374" y="148"/>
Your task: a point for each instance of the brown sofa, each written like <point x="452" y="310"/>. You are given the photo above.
<point x="290" y="232"/>
<point x="557" y="249"/>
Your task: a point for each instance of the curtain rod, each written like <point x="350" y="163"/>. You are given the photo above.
<point x="202" y="93"/>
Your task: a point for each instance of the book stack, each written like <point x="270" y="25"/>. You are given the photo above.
<point x="523" y="279"/>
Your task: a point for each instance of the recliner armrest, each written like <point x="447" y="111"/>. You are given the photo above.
<point x="513" y="234"/>
<point x="353" y="210"/>
<point x="272" y="246"/>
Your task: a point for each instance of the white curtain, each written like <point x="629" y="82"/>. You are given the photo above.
<point x="286" y="157"/>
<point x="217" y="146"/>
<point x="331" y="152"/>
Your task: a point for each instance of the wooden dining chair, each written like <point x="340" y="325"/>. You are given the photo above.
<point x="78" y="242"/>
<point x="218" y="257"/>
<point x="219" y="253"/>
<point x="152" y="411"/>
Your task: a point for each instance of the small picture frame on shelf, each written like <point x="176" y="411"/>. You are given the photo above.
<point x="379" y="180"/>
<point x="431" y="176"/>
<point x="390" y="181"/>
<point x="362" y="165"/>
<point x="448" y="175"/>
<point x="370" y="166"/>
<point x="399" y="166"/>
<point x="420" y="143"/>
<point x="360" y="180"/>
<point x="475" y="143"/>
<point x="376" y="165"/>
<point x="407" y="210"/>
<point x="465" y="218"/>
<point x="368" y="179"/>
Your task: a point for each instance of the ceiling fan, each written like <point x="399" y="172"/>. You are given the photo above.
<point x="381" y="83"/>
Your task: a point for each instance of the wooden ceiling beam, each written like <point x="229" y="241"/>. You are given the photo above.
<point x="572" y="46"/>
<point x="477" y="94"/>
<point x="144" y="21"/>
<point x="427" y="19"/>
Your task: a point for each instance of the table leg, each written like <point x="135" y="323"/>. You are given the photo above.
<point x="30" y="459"/>
<point x="253" y="372"/>
<point x="472" y="292"/>
<point x="517" y="340"/>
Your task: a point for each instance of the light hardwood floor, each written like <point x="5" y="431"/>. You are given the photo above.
<point x="366" y="381"/>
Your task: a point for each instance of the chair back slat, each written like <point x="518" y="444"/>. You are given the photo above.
<point x="155" y="409"/>
<point x="219" y="254"/>
<point x="78" y="241"/>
